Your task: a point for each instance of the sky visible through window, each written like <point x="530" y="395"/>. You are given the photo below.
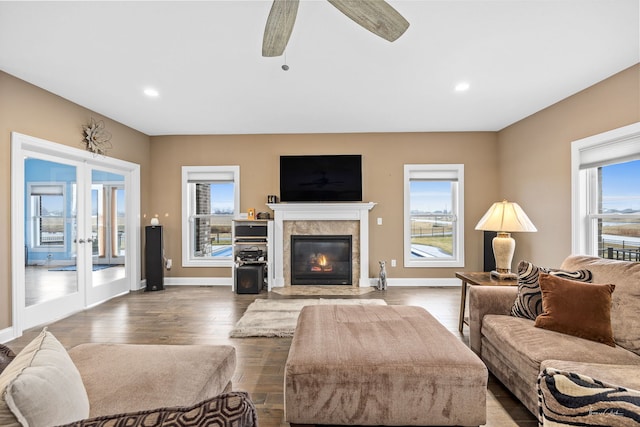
<point x="430" y="196"/>
<point x="621" y="187"/>
<point x="222" y="198"/>
<point x="51" y="205"/>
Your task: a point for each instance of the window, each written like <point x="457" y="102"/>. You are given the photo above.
<point x="47" y="215"/>
<point x="433" y="215"/>
<point x="210" y="201"/>
<point x="606" y="194"/>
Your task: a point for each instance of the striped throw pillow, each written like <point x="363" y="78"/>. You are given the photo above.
<point x="571" y="399"/>
<point x="528" y="303"/>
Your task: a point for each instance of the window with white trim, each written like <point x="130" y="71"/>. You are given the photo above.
<point x="434" y="215"/>
<point x="606" y="194"/>
<point x="47" y="211"/>
<point x="210" y="201"/>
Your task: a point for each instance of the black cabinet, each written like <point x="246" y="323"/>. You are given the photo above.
<point x="154" y="258"/>
<point x="250" y="278"/>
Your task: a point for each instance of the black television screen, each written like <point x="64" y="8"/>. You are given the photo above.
<point x="324" y="178"/>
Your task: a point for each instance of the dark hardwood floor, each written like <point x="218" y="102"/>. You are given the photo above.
<point x="205" y="315"/>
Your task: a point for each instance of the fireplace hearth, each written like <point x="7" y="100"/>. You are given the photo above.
<point x="321" y="260"/>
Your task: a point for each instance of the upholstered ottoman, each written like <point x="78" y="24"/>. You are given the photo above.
<point x="381" y="365"/>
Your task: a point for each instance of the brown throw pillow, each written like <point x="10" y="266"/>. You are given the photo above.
<point x="528" y="303"/>
<point x="575" y="308"/>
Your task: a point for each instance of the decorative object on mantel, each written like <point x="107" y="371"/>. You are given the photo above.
<point x="505" y="217"/>
<point x="96" y="138"/>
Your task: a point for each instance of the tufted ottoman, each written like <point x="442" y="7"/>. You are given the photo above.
<point x="381" y="365"/>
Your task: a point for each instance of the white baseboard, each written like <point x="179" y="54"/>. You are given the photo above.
<point x="441" y="282"/>
<point x="198" y="281"/>
<point x="7" y="334"/>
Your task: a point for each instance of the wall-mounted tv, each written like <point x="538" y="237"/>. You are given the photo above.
<point x="321" y="178"/>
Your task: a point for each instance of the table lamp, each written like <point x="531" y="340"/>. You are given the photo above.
<point x="505" y="217"/>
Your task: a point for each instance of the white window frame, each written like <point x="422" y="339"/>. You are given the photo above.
<point x="57" y="189"/>
<point x="436" y="172"/>
<point x="615" y="146"/>
<point x="204" y="173"/>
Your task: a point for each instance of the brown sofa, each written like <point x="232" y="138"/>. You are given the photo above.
<point x="120" y="384"/>
<point x="516" y="351"/>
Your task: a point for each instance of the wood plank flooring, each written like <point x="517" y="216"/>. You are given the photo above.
<point x="205" y="315"/>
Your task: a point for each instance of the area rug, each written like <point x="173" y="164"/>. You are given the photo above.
<point x="94" y="267"/>
<point x="278" y="317"/>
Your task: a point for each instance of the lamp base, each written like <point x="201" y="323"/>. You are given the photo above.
<point x="504" y="276"/>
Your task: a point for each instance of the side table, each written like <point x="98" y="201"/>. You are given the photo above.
<point x="477" y="279"/>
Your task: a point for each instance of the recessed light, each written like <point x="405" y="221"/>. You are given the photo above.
<point x="151" y="92"/>
<point x="462" y="86"/>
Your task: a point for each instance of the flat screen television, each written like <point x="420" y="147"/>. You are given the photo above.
<point x="321" y="178"/>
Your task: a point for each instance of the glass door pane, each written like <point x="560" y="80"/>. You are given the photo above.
<point x="50" y="228"/>
<point x="108" y="233"/>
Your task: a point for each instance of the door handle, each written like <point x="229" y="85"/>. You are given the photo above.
<point x="80" y="240"/>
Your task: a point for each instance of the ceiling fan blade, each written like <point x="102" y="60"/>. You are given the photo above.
<point x="376" y="16"/>
<point x="279" y="26"/>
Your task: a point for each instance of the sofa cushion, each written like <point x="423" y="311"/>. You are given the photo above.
<point x="575" y="308"/>
<point x="625" y="301"/>
<point x="233" y="409"/>
<point x="528" y="303"/>
<point x="571" y="399"/>
<point x="42" y="387"/>
<point x="112" y="373"/>
<point x="523" y="347"/>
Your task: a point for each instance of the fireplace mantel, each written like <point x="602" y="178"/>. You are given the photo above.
<point x="320" y="212"/>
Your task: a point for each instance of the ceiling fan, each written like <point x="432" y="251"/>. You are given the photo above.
<point x="376" y="16"/>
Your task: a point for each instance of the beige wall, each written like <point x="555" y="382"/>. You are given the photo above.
<point x="383" y="157"/>
<point x="535" y="159"/>
<point x="32" y="111"/>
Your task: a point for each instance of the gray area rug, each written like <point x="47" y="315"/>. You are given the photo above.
<point x="278" y="318"/>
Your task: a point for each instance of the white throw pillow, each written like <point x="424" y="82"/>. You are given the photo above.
<point x="42" y="386"/>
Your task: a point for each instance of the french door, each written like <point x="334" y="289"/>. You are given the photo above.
<point x="74" y="230"/>
<point x="107" y="233"/>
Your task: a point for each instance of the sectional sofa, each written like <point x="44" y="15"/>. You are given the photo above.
<point x="596" y="333"/>
<point x="97" y="385"/>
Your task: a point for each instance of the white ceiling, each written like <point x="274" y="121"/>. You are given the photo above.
<point x="204" y="57"/>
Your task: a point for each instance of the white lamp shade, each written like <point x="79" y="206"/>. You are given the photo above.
<point x="505" y="216"/>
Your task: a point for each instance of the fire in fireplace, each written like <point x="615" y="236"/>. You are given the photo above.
<point x="320" y="260"/>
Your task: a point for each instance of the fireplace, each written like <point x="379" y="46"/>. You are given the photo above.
<point x="325" y="219"/>
<point x="321" y="260"/>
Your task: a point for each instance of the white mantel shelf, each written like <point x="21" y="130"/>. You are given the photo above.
<point x="321" y="212"/>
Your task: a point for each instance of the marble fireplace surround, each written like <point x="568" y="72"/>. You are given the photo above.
<point x="321" y="219"/>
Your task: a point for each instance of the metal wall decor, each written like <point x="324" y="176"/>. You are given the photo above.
<point x="96" y="138"/>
